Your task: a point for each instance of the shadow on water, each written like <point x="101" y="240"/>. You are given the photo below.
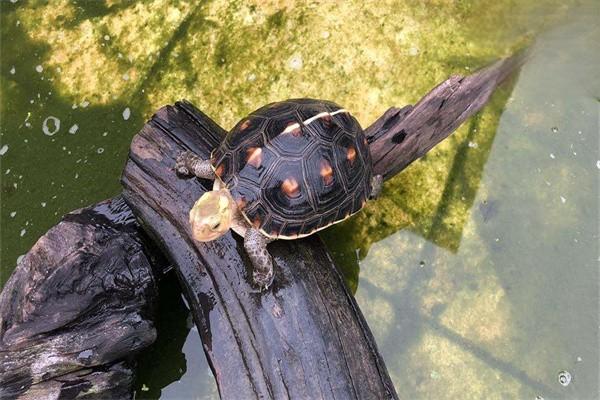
<point x="44" y="177"/>
<point x="443" y="225"/>
<point x="164" y="362"/>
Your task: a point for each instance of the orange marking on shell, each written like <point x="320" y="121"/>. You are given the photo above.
<point x="245" y="125"/>
<point x="254" y="156"/>
<point x="256" y="222"/>
<point x="219" y="170"/>
<point x="290" y="187"/>
<point x="351" y="155"/>
<point x="274" y="232"/>
<point x="326" y="172"/>
<point x="363" y="202"/>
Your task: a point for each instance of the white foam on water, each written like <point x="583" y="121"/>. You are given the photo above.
<point x="46" y="128"/>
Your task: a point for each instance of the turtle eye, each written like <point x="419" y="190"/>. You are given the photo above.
<point x="215" y="226"/>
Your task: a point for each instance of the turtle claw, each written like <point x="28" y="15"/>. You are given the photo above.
<point x="181" y="164"/>
<point x="263" y="279"/>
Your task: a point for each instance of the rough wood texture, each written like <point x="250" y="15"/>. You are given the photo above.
<point x="403" y="135"/>
<point x="304" y="338"/>
<point x="77" y="304"/>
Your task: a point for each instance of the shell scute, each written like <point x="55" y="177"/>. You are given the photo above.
<point x="295" y="168"/>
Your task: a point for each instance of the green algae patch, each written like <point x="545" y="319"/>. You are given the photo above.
<point x="450" y="328"/>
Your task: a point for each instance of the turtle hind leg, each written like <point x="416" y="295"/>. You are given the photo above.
<point x="189" y="163"/>
<point x="376" y="186"/>
<point x="255" y="244"/>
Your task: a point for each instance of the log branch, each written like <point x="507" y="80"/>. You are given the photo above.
<point x="76" y="306"/>
<point x="403" y="135"/>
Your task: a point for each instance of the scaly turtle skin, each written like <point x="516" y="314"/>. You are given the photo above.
<point x="295" y="167"/>
<point x="285" y="171"/>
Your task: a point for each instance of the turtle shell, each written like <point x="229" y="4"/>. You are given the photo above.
<point x="295" y="167"/>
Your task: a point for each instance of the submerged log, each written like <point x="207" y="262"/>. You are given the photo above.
<point x="305" y="337"/>
<point x="76" y="307"/>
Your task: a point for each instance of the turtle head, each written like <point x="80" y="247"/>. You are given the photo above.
<point x="211" y="215"/>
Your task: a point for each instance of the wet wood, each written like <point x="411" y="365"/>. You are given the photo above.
<point x="306" y="336"/>
<point x="76" y="307"/>
<point x="403" y="135"/>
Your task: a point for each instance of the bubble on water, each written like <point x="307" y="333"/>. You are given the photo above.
<point x="413" y="51"/>
<point x="100" y="150"/>
<point x="579" y="359"/>
<point x="14" y="1"/>
<point x="43" y="204"/>
<point x="554" y="129"/>
<point x="84" y="104"/>
<point x="23" y="232"/>
<point x="552" y="156"/>
<point x="73" y="129"/>
<point x="598" y="164"/>
<point x="106" y="37"/>
<point x="563" y="200"/>
<point x="473" y="145"/>
<point x="13" y="70"/>
<point x="3" y="150"/>
<point x="145" y="388"/>
<point x="104" y="133"/>
<point x="126" y="113"/>
<point x="251" y="77"/>
<point x="325" y="34"/>
<point x="39" y="68"/>
<point x="12" y="214"/>
<point x="295" y="62"/>
<point x="125" y="76"/>
<point x="564" y="378"/>
<point x="422" y="264"/>
<point x="55" y="121"/>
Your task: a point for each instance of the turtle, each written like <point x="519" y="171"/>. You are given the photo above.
<point x="285" y="171"/>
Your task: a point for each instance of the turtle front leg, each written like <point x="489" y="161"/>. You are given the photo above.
<point x="376" y="186"/>
<point x="189" y="163"/>
<point x="255" y="244"/>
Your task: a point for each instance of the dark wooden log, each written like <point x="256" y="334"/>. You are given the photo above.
<point x="77" y="305"/>
<point x="403" y="135"/>
<point x="305" y="337"/>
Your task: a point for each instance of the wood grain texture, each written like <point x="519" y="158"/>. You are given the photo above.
<point x="304" y="338"/>
<point x="76" y="306"/>
<point x="403" y="135"/>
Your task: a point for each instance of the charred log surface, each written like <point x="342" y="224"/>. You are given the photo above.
<point x="403" y="135"/>
<point x="78" y="303"/>
<point x="303" y="338"/>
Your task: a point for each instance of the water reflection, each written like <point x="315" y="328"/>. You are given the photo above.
<point x="516" y="303"/>
<point x="174" y="367"/>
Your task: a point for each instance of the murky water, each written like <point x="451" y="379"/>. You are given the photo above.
<point x="478" y="268"/>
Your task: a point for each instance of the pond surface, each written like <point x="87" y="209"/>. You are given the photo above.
<point x="477" y="270"/>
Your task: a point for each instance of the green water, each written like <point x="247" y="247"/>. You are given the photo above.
<point x="477" y="270"/>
